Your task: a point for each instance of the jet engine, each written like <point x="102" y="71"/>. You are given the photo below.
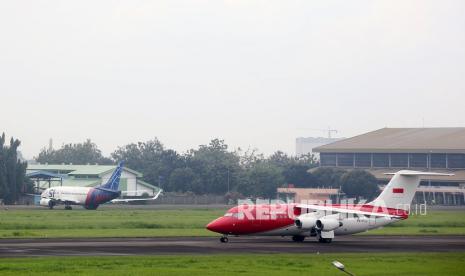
<point x="47" y="202"/>
<point x="328" y="224"/>
<point x="306" y="221"/>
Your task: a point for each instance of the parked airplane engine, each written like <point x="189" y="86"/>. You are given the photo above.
<point x="328" y="223"/>
<point x="305" y="221"/>
<point x="47" y="202"/>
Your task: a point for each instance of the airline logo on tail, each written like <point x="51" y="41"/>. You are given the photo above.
<point x="113" y="182"/>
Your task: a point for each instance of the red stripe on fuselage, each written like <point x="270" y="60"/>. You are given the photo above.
<point x="89" y="197"/>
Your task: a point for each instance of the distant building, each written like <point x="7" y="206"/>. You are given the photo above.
<point x="90" y="176"/>
<point x="305" y="145"/>
<point x="392" y="149"/>
<point x="308" y="195"/>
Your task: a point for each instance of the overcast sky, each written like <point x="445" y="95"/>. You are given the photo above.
<point x="255" y="73"/>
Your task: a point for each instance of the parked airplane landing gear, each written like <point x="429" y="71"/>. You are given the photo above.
<point x="68" y="207"/>
<point x="224" y="239"/>
<point x="298" y="238"/>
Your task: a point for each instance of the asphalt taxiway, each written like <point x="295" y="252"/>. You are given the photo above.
<point x="236" y="245"/>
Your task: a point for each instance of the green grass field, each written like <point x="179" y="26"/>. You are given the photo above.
<point x="106" y="222"/>
<point x="451" y="222"/>
<point x="111" y="222"/>
<point x="273" y="264"/>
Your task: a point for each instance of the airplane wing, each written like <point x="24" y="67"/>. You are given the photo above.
<point x="136" y="199"/>
<point x="346" y="211"/>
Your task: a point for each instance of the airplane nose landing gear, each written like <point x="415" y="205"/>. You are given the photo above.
<point x="224" y="239"/>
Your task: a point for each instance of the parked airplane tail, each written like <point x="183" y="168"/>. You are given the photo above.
<point x="401" y="189"/>
<point x="113" y="182"/>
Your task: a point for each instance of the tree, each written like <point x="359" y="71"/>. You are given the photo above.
<point x="298" y="175"/>
<point x="328" y="177"/>
<point x="359" y="183"/>
<point x="12" y="171"/>
<point x="183" y="180"/>
<point x="263" y="179"/>
<point x="152" y="160"/>
<point x="78" y="154"/>
<point x="295" y="169"/>
<point x="218" y="169"/>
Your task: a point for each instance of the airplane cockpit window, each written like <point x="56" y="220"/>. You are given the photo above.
<point x="235" y="215"/>
<point x="238" y="215"/>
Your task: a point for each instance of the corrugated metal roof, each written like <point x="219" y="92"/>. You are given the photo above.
<point x="44" y="175"/>
<point x="73" y="183"/>
<point x="413" y="140"/>
<point x="79" y="169"/>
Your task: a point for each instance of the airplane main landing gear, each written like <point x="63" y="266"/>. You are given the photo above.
<point x="323" y="240"/>
<point x="68" y="207"/>
<point x="224" y="239"/>
<point x="298" y="238"/>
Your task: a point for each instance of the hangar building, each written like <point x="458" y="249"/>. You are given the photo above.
<point x="392" y="149"/>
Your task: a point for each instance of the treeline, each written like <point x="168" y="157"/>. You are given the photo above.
<point x="12" y="171"/>
<point x="215" y="169"/>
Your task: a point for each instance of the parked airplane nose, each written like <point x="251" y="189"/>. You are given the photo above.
<point x="219" y="225"/>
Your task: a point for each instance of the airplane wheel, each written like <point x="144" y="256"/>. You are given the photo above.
<point x="224" y="239"/>
<point x="298" y="238"/>
<point x="322" y="240"/>
<point x="51" y="204"/>
<point x="68" y="207"/>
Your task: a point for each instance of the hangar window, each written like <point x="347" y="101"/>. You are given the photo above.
<point x="363" y="160"/>
<point x="399" y="160"/>
<point x="418" y="160"/>
<point x="456" y="161"/>
<point x="328" y="159"/>
<point x="380" y="160"/>
<point x="438" y="160"/>
<point x="345" y="159"/>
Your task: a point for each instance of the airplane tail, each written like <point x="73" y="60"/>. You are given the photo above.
<point x="400" y="191"/>
<point x="113" y="182"/>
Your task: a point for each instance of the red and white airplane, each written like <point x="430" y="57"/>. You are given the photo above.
<point x="322" y="221"/>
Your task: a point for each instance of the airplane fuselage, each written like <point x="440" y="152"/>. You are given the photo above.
<point x="88" y="197"/>
<point x="274" y="220"/>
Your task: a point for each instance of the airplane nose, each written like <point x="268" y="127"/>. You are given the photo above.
<point x="218" y="226"/>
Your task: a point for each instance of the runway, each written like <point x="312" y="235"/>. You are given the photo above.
<point x="236" y="245"/>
